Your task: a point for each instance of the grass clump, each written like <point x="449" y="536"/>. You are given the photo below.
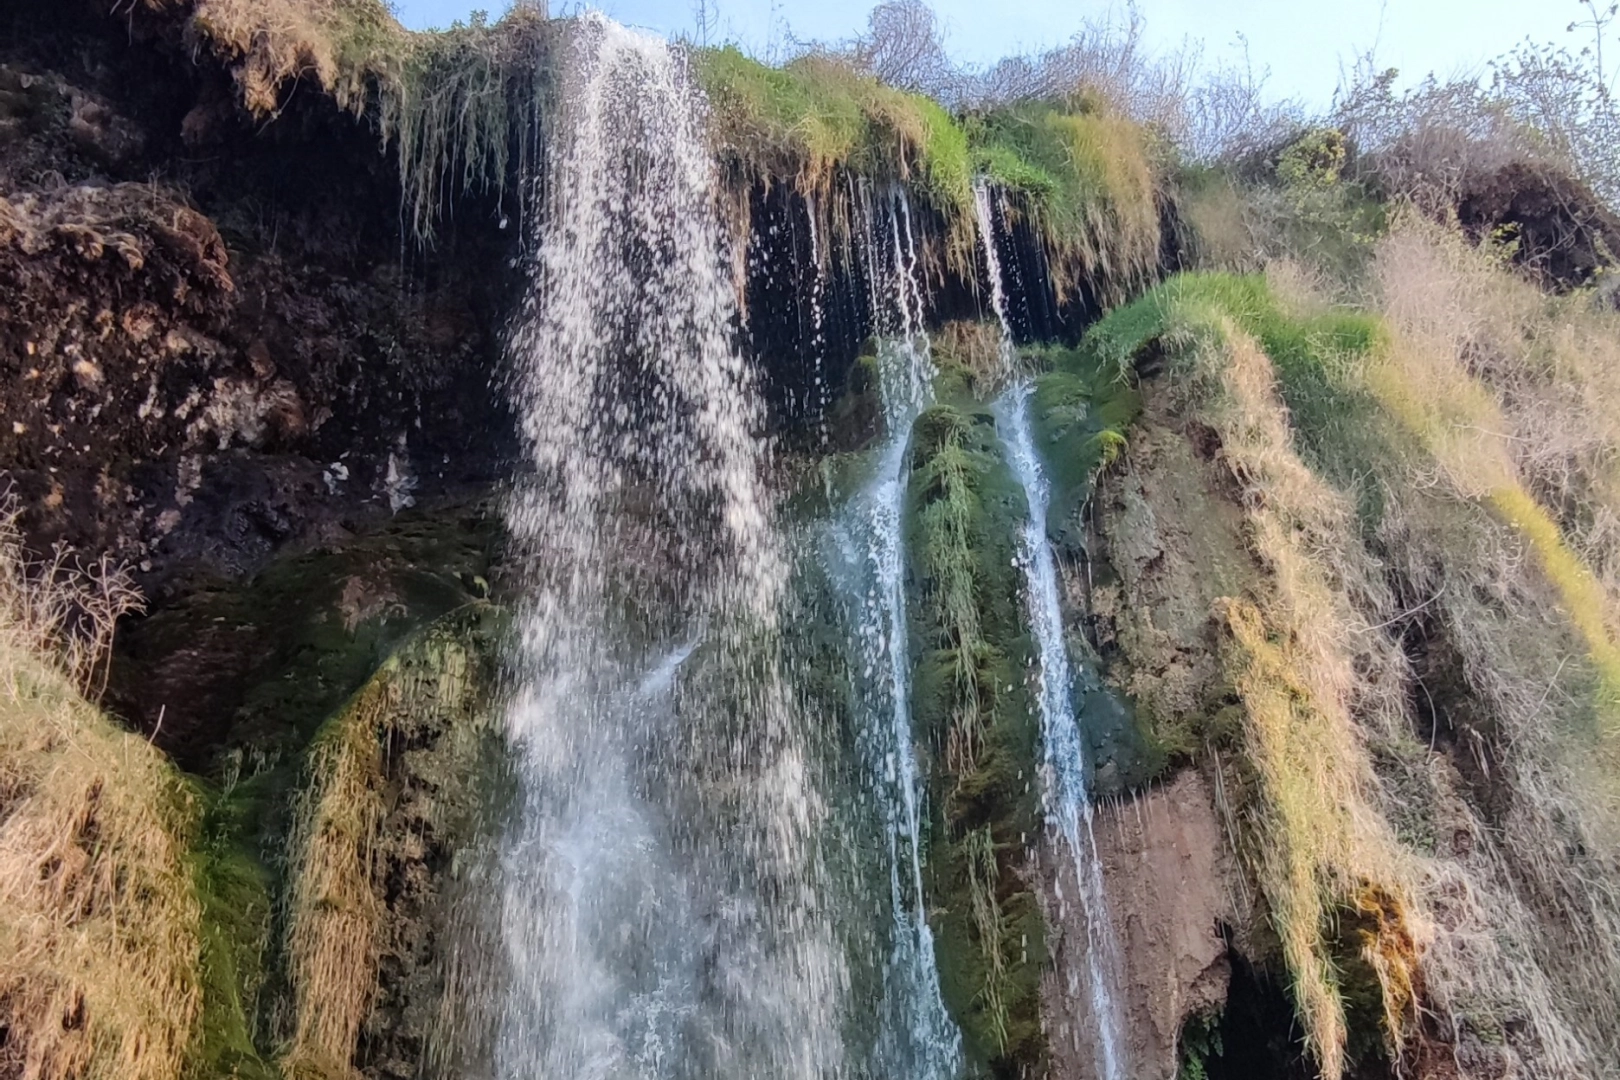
<point x="1314" y="840"/>
<point x="342" y="46"/>
<point x="457" y="104"/>
<point x="1427" y="496"/>
<point x="818" y="116"/>
<point x="99" y="915"/>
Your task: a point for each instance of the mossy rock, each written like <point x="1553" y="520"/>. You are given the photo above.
<point x="232" y="670"/>
<point x="972" y="704"/>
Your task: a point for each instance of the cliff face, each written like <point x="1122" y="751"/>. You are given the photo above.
<point x="218" y="339"/>
<point x="1340" y="592"/>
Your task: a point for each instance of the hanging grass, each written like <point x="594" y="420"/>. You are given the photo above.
<point x="1086" y="179"/>
<point x="1353" y="432"/>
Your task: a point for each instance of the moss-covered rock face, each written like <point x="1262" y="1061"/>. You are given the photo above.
<point x="972" y="705"/>
<point x="338" y="714"/>
<point x="251" y="670"/>
<point x="393" y="827"/>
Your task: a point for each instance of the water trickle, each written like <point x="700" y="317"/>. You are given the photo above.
<point x="1064" y="789"/>
<point x="916" y="1037"/>
<point x="661" y="905"/>
<point x="985" y="216"/>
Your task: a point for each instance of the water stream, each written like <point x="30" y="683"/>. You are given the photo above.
<point x="1064" y="788"/>
<point x="661" y="906"/>
<point x="916" y="1037"/>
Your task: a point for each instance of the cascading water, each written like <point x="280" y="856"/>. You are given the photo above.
<point x="1064" y="788"/>
<point x="916" y="1038"/>
<point x="992" y="263"/>
<point x="661" y="907"/>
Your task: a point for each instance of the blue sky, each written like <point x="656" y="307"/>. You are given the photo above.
<point x="1304" y="44"/>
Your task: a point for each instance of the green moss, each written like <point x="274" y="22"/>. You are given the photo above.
<point x="233" y="888"/>
<point x="971" y="703"/>
<point x="1080" y="412"/>
<point x="1086" y="177"/>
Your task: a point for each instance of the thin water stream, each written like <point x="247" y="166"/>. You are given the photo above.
<point x="916" y="1037"/>
<point x="1064" y="787"/>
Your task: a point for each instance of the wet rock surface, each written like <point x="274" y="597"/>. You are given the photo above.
<point x="1162" y="857"/>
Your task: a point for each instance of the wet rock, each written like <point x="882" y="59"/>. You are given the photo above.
<point x="1167" y="886"/>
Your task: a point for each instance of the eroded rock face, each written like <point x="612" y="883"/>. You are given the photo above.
<point x="210" y="351"/>
<point x="1163" y="860"/>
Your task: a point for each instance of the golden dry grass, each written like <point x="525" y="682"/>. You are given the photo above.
<point x="1298" y="660"/>
<point x="336" y="914"/>
<point x="99" y="917"/>
<point x="1476" y="431"/>
<point x="339" y="45"/>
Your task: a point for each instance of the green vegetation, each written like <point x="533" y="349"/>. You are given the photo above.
<point x="1315" y="843"/>
<point x="973" y="706"/>
<point x="1414" y="436"/>
<point x="1086" y="178"/>
<point x="817" y="116"/>
<point x="1081" y="413"/>
<point x="1082" y="176"/>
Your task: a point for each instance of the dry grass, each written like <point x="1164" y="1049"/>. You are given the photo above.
<point x="99" y="917"/>
<point x="1475" y="428"/>
<point x="1517" y="394"/>
<point x="342" y="46"/>
<point x="1311" y="688"/>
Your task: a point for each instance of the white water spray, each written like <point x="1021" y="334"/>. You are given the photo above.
<point x="1064" y="789"/>
<point x="985" y="216"/>
<point x="661" y="911"/>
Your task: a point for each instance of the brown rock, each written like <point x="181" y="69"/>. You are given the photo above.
<point x="1164" y="869"/>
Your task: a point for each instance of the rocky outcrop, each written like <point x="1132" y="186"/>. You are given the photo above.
<point x="217" y="339"/>
<point x="1163" y="857"/>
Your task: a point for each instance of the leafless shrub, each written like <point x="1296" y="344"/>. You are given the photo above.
<point x="904" y="46"/>
<point x="61" y="607"/>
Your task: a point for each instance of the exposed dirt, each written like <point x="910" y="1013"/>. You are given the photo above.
<point x="1164" y="866"/>
<point x="1175" y="548"/>
<point x="1563" y="231"/>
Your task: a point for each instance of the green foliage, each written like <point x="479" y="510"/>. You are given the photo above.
<point x="457" y="105"/>
<point x="1200" y="1041"/>
<point x="818" y="115"/>
<point x="1085" y="177"/>
<point x="971" y="702"/>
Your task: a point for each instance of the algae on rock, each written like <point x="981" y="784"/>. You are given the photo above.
<point x="398" y="794"/>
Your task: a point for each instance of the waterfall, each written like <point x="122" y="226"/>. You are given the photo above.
<point x="986" y="220"/>
<point x="660" y="901"/>
<point x="916" y="1037"/>
<point x="1064" y="788"/>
